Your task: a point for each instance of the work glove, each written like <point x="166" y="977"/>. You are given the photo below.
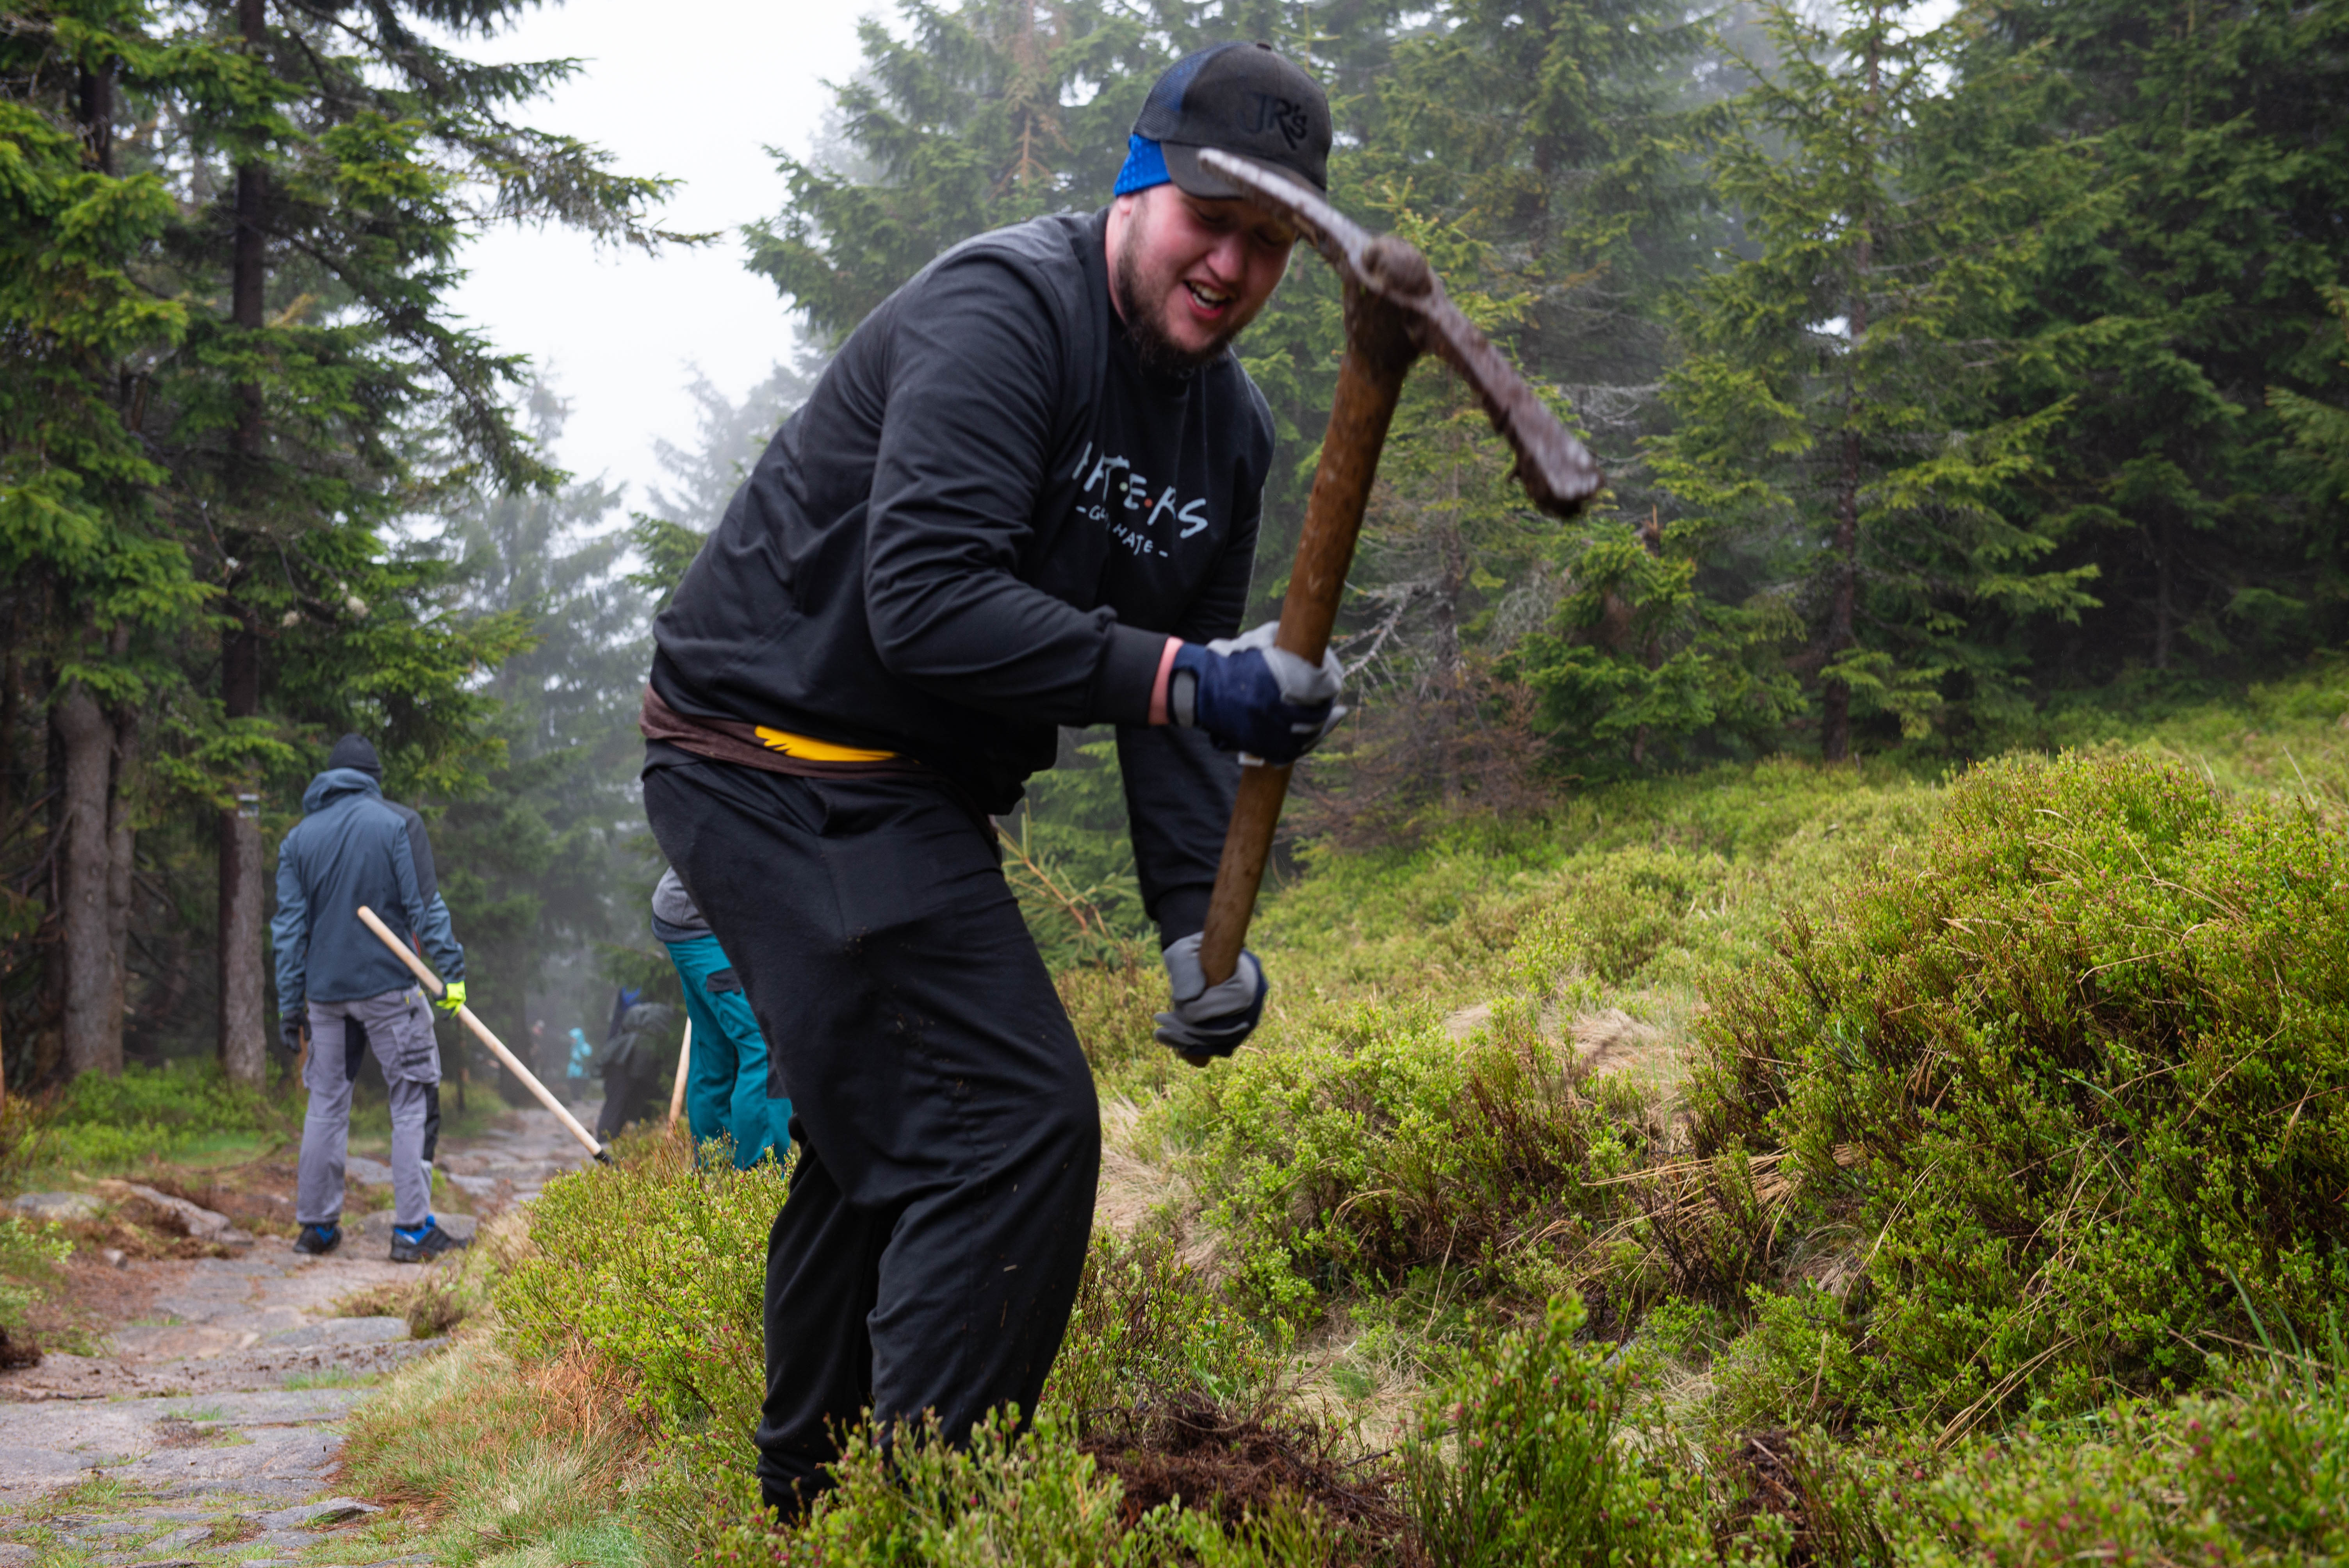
<point x="289" y="1033"/>
<point x="452" y="997"/>
<point x="1251" y="697"/>
<point x="1209" y="1020"/>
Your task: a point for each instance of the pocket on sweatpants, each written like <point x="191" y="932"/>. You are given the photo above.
<point x="416" y="1052"/>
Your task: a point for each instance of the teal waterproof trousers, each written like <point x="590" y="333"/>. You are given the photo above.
<point x="726" y="1091"/>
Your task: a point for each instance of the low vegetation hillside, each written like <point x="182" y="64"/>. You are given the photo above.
<point x="1775" y="1165"/>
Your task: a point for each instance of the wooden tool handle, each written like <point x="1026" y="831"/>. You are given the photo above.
<point x="684" y="1066"/>
<point x="1379" y="352"/>
<point x="432" y="986"/>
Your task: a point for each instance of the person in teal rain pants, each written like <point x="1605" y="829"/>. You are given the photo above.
<point x="729" y="1089"/>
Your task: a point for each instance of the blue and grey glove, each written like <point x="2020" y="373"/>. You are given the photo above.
<point x="1251" y="697"/>
<point x="1209" y="1020"/>
<point x="289" y="1033"/>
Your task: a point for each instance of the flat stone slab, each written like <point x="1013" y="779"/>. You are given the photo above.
<point x="200" y="1223"/>
<point x="315" y="1515"/>
<point x="178" y="1540"/>
<point x="59" y="1206"/>
<point x="359" y="1168"/>
<point x="341" y="1331"/>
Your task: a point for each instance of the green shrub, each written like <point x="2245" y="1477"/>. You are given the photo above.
<point x="1004" y="1499"/>
<point x="1147" y="1331"/>
<point x="2259" y="1475"/>
<point x="657" y="1265"/>
<point x="100" y="1123"/>
<point x="1798" y="1364"/>
<point x="2057" y="1083"/>
<point x="1383" y="1148"/>
<point x="31" y="1251"/>
<point x="1516" y="1460"/>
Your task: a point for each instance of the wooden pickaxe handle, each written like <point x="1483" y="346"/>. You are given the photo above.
<point x="1369" y="381"/>
<point x="432" y="988"/>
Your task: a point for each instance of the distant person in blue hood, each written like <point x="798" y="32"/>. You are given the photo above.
<point x="354" y="848"/>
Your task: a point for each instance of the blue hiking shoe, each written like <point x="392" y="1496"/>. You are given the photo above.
<point x="424" y="1243"/>
<point x="318" y="1239"/>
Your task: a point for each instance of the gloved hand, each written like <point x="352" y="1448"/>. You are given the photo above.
<point x="1251" y="697"/>
<point x="1209" y="1020"/>
<point x="289" y="1033"/>
<point x="452" y="997"/>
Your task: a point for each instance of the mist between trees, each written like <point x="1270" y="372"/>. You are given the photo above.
<point x="1954" y="379"/>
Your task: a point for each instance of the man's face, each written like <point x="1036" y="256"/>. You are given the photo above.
<point x="1189" y="271"/>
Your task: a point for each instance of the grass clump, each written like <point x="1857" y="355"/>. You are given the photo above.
<point x="494" y="1454"/>
<point x="2044" y="1096"/>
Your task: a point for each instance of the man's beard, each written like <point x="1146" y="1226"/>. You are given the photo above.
<point x="1144" y="324"/>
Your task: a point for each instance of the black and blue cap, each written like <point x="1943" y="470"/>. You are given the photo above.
<point x="1242" y="99"/>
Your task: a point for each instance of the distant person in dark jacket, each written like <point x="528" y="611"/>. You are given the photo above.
<point x="435" y="914"/>
<point x="638" y="1061"/>
<point x="732" y="1089"/>
<point x="352" y="848"/>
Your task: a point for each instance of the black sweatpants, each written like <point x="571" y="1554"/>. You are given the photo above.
<point x="929" y="1250"/>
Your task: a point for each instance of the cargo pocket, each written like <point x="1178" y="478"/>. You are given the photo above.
<point x="416" y="1054"/>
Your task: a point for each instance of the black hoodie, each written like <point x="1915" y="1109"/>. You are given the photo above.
<point x="983" y="525"/>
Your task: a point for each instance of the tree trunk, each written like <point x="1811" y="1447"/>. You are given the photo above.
<point x="243" y="1029"/>
<point x="2164" y="610"/>
<point x="98" y="117"/>
<point x="1835" y="696"/>
<point x="92" y="1024"/>
<point x="243" y="1023"/>
<point x="121" y="843"/>
<point x="49" y="1045"/>
<point x="8" y="716"/>
<point x="1843" y="602"/>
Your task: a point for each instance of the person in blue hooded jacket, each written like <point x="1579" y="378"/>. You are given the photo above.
<point x="353" y="848"/>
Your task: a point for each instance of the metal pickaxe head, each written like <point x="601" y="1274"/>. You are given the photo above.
<point x="1396" y="310"/>
<point x="1392" y="293"/>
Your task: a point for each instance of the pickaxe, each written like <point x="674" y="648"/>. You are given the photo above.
<point x="1396" y="310"/>
<point x="432" y="988"/>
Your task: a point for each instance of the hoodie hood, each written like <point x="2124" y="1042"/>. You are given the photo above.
<point x="334" y="784"/>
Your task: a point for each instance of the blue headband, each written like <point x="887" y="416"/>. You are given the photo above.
<point x="1145" y="166"/>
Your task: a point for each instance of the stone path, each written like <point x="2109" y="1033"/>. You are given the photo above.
<point x="205" y="1431"/>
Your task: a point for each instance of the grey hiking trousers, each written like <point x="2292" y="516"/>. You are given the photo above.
<point x="398" y="1026"/>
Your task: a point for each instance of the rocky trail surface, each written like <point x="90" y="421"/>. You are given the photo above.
<point x="203" y="1425"/>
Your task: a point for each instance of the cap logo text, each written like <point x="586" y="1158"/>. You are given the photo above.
<point x="1284" y="115"/>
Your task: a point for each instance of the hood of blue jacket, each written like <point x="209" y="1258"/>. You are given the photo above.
<point x="334" y="784"/>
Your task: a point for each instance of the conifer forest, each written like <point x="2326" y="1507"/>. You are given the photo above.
<point x="1810" y="1007"/>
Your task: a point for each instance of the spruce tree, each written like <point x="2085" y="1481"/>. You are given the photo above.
<point x="1836" y="431"/>
<point x="98" y="586"/>
<point x="2223" y="127"/>
<point x="284" y="193"/>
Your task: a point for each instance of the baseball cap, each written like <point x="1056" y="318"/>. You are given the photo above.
<point x="1242" y="99"/>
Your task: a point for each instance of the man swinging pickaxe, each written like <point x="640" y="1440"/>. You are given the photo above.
<point x="1396" y="310"/>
